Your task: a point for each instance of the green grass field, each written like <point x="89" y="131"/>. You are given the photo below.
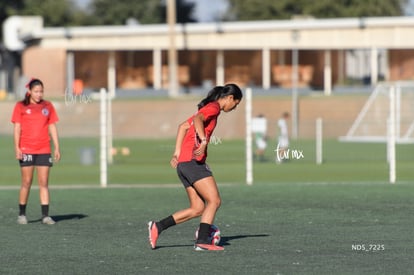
<point x="148" y="163"/>
<point x="340" y="217"/>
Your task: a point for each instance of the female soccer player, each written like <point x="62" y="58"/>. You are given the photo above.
<point x="189" y="158"/>
<point x="34" y="123"/>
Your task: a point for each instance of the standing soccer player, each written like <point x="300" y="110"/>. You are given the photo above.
<point x="189" y="159"/>
<point x="260" y="137"/>
<point x="34" y="124"/>
<point x="283" y="139"/>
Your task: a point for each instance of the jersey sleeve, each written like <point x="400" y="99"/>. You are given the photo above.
<point x="53" y="118"/>
<point x="16" y="115"/>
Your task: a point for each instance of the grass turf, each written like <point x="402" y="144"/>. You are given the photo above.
<point x="148" y="162"/>
<point x="281" y="228"/>
<point x="298" y="218"/>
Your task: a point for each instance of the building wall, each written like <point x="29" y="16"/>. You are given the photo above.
<point x="146" y="118"/>
<point x="242" y="43"/>
<point x="134" y="69"/>
<point x="49" y="65"/>
<point x="401" y="64"/>
<point x="92" y="68"/>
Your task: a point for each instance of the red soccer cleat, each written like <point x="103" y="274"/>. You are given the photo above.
<point x="205" y="247"/>
<point x="152" y="234"/>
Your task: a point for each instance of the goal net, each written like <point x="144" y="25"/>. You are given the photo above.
<point x="373" y="122"/>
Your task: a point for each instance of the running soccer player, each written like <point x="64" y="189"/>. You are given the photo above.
<point x="189" y="159"/>
<point x="34" y="124"/>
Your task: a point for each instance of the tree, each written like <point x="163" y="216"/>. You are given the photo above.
<point x="54" y="12"/>
<point x="184" y="12"/>
<point x="7" y="7"/>
<point x="109" y="12"/>
<point x="284" y="9"/>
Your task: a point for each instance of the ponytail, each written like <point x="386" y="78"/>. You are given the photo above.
<point x="26" y="99"/>
<point x="220" y="92"/>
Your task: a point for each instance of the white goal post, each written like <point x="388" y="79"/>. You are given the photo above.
<point x="371" y="124"/>
<point x="103" y="138"/>
<point x="387" y="116"/>
<point x="249" y="140"/>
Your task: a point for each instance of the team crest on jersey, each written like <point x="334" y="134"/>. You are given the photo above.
<point x="28" y="111"/>
<point x="45" y="111"/>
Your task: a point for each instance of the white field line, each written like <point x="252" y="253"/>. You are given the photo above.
<point x="179" y="185"/>
<point x="110" y="186"/>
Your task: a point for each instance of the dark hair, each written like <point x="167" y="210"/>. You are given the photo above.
<point x="33" y="82"/>
<point x="220" y="92"/>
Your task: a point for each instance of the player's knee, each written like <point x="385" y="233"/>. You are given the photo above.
<point x="43" y="184"/>
<point x="198" y="211"/>
<point x="26" y="183"/>
<point x="216" y="202"/>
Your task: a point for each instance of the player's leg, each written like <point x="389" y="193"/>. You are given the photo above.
<point x="26" y="183"/>
<point x="282" y="150"/>
<point x="195" y="210"/>
<point x="261" y="147"/>
<point x="188" y="173"/>
<point x="207" y="189"/>
<point x="43" y="181"/>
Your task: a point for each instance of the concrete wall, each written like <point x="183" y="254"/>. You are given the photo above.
<point x="401" y="64"/>
<point x="47" y="65"/>
<point x="157" y="118"/>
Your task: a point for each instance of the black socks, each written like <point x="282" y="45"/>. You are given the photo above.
<point x="165" y="223"/>
<point x="45" y="210"/>
<point x="203" y="233"/>
<point x="22" y="209"/>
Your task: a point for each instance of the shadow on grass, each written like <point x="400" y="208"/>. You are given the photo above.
<point x="59" y="218"/>
<point x="225" y="240"/>
<point x="176" y="245"/>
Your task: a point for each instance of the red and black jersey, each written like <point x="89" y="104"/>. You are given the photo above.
<point x="34" y="120"/>
<point x="210" y="112"/>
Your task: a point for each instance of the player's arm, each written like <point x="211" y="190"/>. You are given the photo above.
<point x="17" y="131"/>
<point x="181" y="132"/>
<point x="198" y="121"/>
<point x="55" y="139"/>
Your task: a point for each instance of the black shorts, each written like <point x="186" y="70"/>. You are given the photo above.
<point x="192" y="171"/>
<point x="36" y="160"/>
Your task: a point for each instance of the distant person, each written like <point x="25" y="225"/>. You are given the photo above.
<point x="189" y="159"/>
<point x="259" y="131"/>
<point x="34" y="124"/>
<point x="283" y="139"/>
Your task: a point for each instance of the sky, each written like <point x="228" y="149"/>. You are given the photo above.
<point x="209" y="10"/>
<point x="205" y="10"/>
<point x="410" y="8"/>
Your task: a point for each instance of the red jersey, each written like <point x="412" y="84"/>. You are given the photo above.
<point x="210" y="112"/>
<point x="34" y="120"/>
